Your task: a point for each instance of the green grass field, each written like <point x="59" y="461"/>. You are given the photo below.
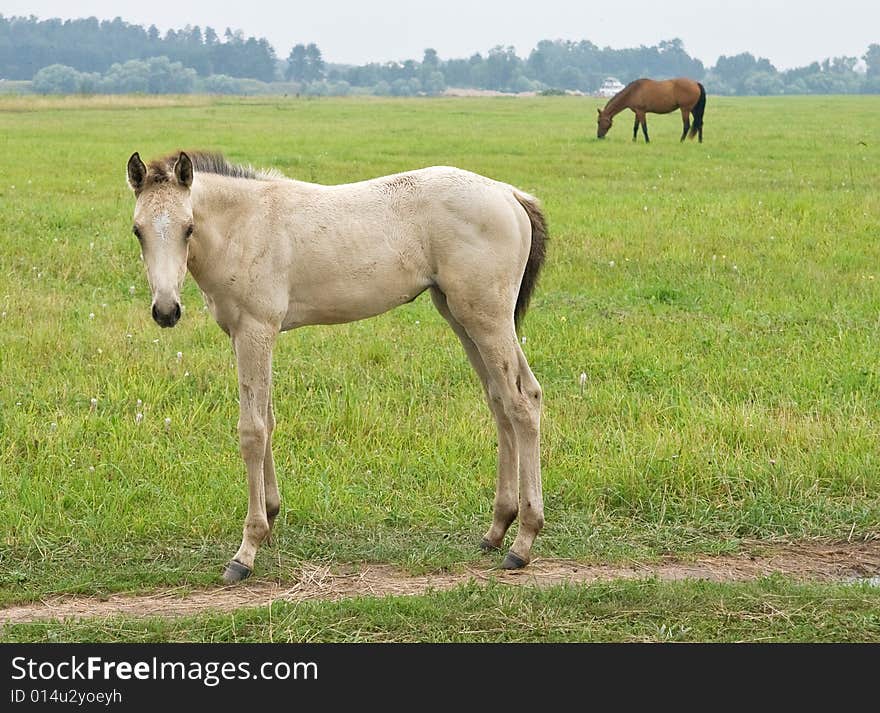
<point x="722" y="299"/>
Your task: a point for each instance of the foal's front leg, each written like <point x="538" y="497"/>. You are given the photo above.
<point x="253" y="351"/>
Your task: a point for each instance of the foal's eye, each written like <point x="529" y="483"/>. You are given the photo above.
<point x="189" y="231"/>
<point x="136" y="231"/>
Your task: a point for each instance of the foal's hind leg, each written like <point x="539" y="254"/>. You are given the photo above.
<point x="505" y="507"/>
<point x="521" y="398"/>
<point x="490" y="327"/>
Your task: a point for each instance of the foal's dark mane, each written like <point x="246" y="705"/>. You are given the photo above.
<point x="162" y="169"/>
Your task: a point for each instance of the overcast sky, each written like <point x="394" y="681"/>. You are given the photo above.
<point x="789" y="33"/>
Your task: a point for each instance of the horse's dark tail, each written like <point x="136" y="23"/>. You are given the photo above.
<point x="697" y="111"/>
<point x="537" y="251"/>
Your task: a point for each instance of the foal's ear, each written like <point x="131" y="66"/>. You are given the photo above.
<point x="183" y="170"/>
<point x="137" y="172"/>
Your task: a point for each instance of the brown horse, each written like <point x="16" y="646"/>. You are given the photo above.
<point x="644" y="95"/>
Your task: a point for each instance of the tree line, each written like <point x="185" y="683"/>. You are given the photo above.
<point x="28" y="44"/>
<point x="88" y="55"/>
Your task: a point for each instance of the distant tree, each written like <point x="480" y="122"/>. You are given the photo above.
<point x="434" y="83"/>
<point x="674" y="61"/>
<point x="571" y="78"/>
<point x="538" y="61"/>
<point x="364" y="76"/>
<point x="405" y="87"/>
<point x="167" y="77"/>
<point x="409" y="69"/>
<point x="735" y="70"/>
<point x="502" y="66"/>
<point x="872" y="60"/>
<point x="872" y="69"/>
<point x="457" y="73"/>
<point x="240" y="57"/>
<point x="431" y="60"/>
<point x="57" y="79"/>
<point x="305" y="63"/>
<point x="296" y="64"/>
<point x="314" y="63"/>
<point x="155" y="75"/>
<point x="763" y="83"/>
<point x="524" y="84"/>
<point x="127" y="78"/>
<point x="221" y="84"/>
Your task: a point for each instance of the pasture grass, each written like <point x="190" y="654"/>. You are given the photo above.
<point x="722" y="300"/>
<point x="769" y="610"/>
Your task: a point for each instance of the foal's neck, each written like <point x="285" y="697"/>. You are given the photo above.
<point x="214" y="197"/>
<point x="218" y="202"/>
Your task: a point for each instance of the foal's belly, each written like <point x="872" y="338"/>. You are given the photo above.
<point x="361" y="265"/>
<point x="338" y="302"/>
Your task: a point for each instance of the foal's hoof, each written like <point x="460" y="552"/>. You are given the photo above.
<point x="487" y="546"/>
<point x="513" y="561"/>
<point x="235" y="572"/>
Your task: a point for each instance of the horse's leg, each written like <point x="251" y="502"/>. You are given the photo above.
<point x="273" y="498"/>
<point x="521" y="398"/>
<point x="505" y="506"/>
<point x="489" y="324"/>
<point x="685" y="118"/>
<point x="636" y="129"/>
<point x="645" y="127"/>
<point x="253" y="352"/>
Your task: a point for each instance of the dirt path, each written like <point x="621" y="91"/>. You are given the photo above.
<point x="803" y="561"/>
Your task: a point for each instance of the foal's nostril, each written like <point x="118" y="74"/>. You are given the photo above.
<point x="167" y="319"/>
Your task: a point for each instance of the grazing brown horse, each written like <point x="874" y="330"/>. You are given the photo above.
<point x="644" y="95"/>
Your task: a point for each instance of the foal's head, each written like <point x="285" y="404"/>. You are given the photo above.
<point x="604" y="124"/>
<point x="163" y="224"/>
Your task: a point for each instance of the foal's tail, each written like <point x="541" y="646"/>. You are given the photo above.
<point x="537" y="251"/>
<point x="697" y="111"/>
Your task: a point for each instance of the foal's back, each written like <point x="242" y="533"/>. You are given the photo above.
<point x="354" y="250"/>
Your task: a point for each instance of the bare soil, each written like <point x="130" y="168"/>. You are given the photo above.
<point x="807" y="561"/>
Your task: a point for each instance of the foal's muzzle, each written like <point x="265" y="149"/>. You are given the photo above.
<point x="167" y="319"/>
